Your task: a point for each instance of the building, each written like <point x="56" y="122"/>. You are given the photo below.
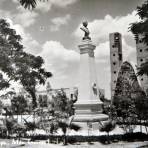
<point x="116" y="58"/>
<point x="45" y="96"/>
<point x="142" y="56"/>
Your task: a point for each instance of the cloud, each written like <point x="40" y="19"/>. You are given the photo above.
<point x="62" y="3"/>
<point x="102" y="51"/>
<point x="45" y="6"/>
<point x="58" y="22"/>
<point x="25" y="17"/>
<point x="54" y="50"/>
<point x="5" y="14"/>
<point x="101" y="28"/>
<point x="30" y="44"/>
<point x="2" y="1"/>
<point x="62" y="62"/>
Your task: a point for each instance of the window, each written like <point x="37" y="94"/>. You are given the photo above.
<point x="113" y="46"/>
<point x="120" y="56"/>
<point x="114" y="81"/>
<point x="141" y="79"/>
<point x="141" y="60"/>
<point x="114" y="54"/>
<point x="140" y="50"/>
<point x="114" y="72"/>
<point x="114" y="63"/>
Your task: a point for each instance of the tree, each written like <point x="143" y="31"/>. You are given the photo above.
<point x="141" y="106"/>
<point x="19" y="104"/>
<point x="65" y="126"/>
<point x="18" y="65"/>
<point x="29" y="4"/>
<point x="10" y="122"/>
<point x="30" y="126"/>
<point x="107" y="127"/>
<point x="60" y="115"/>
<point x="140" y="28"/>
<point x="123" y="108"/>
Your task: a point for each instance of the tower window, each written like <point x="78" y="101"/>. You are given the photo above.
<point x="114" y="63"/>
<point x="141" y="60"/>
<point x="113" y="46"/>
<point x="114" y="81"/>
<point x="113" y="54"/>
<point x="141" y="79"/>
<point x="140" y="50"/>
<point x="140" y="41"/>
<point x="120" y="56"/>
<point x="114" y="72"/>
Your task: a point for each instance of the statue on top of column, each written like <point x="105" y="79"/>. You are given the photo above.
<point x="86" y="31"/>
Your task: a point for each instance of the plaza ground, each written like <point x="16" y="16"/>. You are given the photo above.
<point x="42" y="144"/>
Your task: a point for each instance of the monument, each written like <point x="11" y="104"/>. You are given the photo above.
<point x="88" y="108"/>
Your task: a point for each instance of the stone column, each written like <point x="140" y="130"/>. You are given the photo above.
<point x="88" y="107"/>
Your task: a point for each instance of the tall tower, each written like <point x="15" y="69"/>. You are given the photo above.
<point x="142" y="56"/>
<point x="115" y="58"/>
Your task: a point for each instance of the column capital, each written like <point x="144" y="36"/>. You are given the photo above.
<point x="87" y="46"/>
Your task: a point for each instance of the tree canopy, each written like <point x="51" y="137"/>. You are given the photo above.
<point x="29" y="4"/>
<point x="140" y="28"/>
<point x="17" y="64"/>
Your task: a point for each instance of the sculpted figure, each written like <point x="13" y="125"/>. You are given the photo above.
<point x="86" y="31"/>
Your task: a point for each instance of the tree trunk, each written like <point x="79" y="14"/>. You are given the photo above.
<point x="108" y="138"/>
<point x="64" y="139"/>
<point x="140" y="126"/>
<point x="21" y="118"/>
<point x="146" y="127"/>
<point x="32" y="93"/>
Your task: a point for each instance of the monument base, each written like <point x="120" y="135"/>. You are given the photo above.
<point x="90" y="117"/>
<point x="89" y="112"/>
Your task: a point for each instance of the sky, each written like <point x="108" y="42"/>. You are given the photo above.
<point x="52" y="31"/>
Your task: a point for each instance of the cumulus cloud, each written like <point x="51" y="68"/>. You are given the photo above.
<point x="25" y="17"/>
<point x="5" y="14"/>
<point x="30" y="44"/>
<point x="101" y="28"/>
<point x="62" y="3"/>
<point x="58" y="22"/>
<point x="102" y="51"/>
<point x="62" y="62"/>
<point x="45" y="6"/>
<point x="54" y="50"/>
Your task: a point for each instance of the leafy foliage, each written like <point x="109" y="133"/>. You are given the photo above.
<point x="29" y="4"/>
<point x="18" y="65"/>
<point x="127" y="99"/>
<point x="108" y="126"/>
<point x="59" y="115"/>
<point x="30" y="125"/>
<point x="19" y="105"/>
<point x="140" y="28"/>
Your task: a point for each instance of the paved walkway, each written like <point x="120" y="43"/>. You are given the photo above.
<point x="10" y="144"/>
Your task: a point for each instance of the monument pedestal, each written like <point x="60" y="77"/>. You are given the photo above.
<point x="88" y="108"/>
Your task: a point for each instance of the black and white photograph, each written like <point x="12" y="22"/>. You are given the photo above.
<point x="73" y="73"/>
